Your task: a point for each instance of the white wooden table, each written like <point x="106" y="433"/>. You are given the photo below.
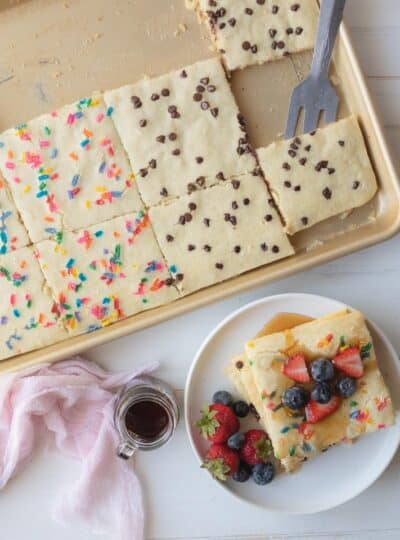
<point x="182" y="501"/>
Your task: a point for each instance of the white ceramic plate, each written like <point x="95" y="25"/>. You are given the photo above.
<point x="331" y="478"/>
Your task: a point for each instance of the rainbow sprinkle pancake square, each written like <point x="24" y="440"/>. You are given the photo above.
<point x="249" y="32"/>
<point x="182" y="131"/>
<point x="106" y="272"/>
<point x="294" y="438"/>
<point x="68" y="169"/>
<point x="13" y="234"/>
<point x="28" y="316"/>
<point x="220" y="232"/>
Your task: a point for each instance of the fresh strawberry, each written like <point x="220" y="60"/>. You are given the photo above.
<point x="221" y="461"/>
<point x="349" y="361"/>
<point x="317" y="411"/>
<point x="257" y="447"/>
<point x="296" y="369"/>
<point x="218" y="423"/>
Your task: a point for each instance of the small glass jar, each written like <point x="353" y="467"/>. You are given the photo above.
<point x="146" y="415"/>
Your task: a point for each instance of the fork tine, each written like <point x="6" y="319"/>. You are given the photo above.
<point x="293" y="116"/>
<point x="330" y="113"/>
<point x="311" y="117"/>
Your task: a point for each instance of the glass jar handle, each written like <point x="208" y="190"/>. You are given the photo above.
<point x="125" y="450"/>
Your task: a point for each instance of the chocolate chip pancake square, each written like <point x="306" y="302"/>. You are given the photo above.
<point x="219" y="232"/>
<point x="68" y="169"/>
<point x="182" y="131"/>
<point x="106" y="272"/>
<point x="313" y="177"/>
<point x="28" y="316"/>
<point x="257" y="31"/>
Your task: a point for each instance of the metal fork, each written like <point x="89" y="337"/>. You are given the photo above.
<point x="316" y="93"/>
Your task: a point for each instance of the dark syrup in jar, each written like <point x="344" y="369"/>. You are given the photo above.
<point x="147" y="419"/>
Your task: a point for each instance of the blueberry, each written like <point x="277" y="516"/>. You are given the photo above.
<point x="321" y="393"/>
<point x="243" y="473"/>
<point x="241" y="409"/>
<point x="322" y="370"/>
<point x="223" y="397"/>
<point x="263" y="473"/>
<point x="236" y="441"/>
<point x="346" y="387"/>
<point x="295" y="397"/>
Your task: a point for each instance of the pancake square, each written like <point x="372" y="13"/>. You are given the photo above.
<point x="106" y="272"/>
<point x="319" y="175"/>
<point x="247" y="32"/>
<point x="220" y="232"/>
<point x="369" y="409"/>
<point x="28" y="315"/>
<point x="68" y="170"/>
<point x="182" y="131"/>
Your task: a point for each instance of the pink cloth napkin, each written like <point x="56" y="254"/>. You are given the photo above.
<point x="71" y="405"/>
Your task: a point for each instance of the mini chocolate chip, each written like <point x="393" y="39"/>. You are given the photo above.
<point x="239" y="364"/>
<point x="294" y="146"/>
<point x="295" y="7"/>
<point x="206" y="80"/>
<point x="176" y="152"/>
<point x="191" y="187"/>
<point x="165" y="92"/>
<point x="211" y="88"/>
<point x="299" y="30"/>
<point x="235" y="205"/>
<point x="191" y="247"/>
<point x="246" y="201"/>
<point x="160" y="138"/>
<point x="272" y="32"/>
<point x="169" y="238"/>
<point x="172" y="136"/>
<point x="321" y="165"/>
<point x="307" y="148"/>
<point x="192" y="206"/>
<point x="286" y="166"/>
<point x="179" y="277"/>
<point x="175" y="114"/>
<point x="235" y="184"/>
<point x="155" y="97"/>
<point x="219" y="266"/>
<point x="303" y="161"/>
<point x="246" y="45"/>
<point x="227" y="217"/>
<point x="136" y="102"/>
<point x="153" y="163"/>
<point x="143" y="172"/>
<point x="304" y="220"/>
<point x="274" y="45"/>
<point x="356" y="184"/>
<point x="275" y="249"/>
<point x="268" y="217"/>
<point x="168" y="282"/>
<point x="201" y="180"/>
<point x="292" y="153"/>
<point x="341" y="143"/>
<point x="220" y="176"/>
<point x="327" y="193"/>
<point x="214" y="111"/>
<point x="289" y="31"/>
<point x="206" y="222"/>
<point x="297" y="140"/>
<point x="188" y="217"/>
<point x="264" y="246"/>
<point x="182" y="220"/>
<point x="248" y="11"/>
<point x="200" y="88"/>
<point x="254" y="49"/>
<point x="312" y="133"/>
<point x="232" y="21"/>
<point x="183" y="74"/>
<point x="331" y="170"/>
<point x="197" y="97"/>
<point x="237" y="249"/>
<point x="199" y="159"/>
<point x="233" y="220"/>
<point x="207" y="248"/>
<point x="222" y="25"/>
<point x="204" y="105"/>
<point x="287" y="184"/>
<point x="163" y="192"/>
<point x="281" y="44"/>
<point x="297" y="188"/>
<point x="275" y="9"/>
<point x="143" y="123"/>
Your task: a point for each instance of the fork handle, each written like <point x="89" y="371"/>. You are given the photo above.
<point x="329" y="21"/>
